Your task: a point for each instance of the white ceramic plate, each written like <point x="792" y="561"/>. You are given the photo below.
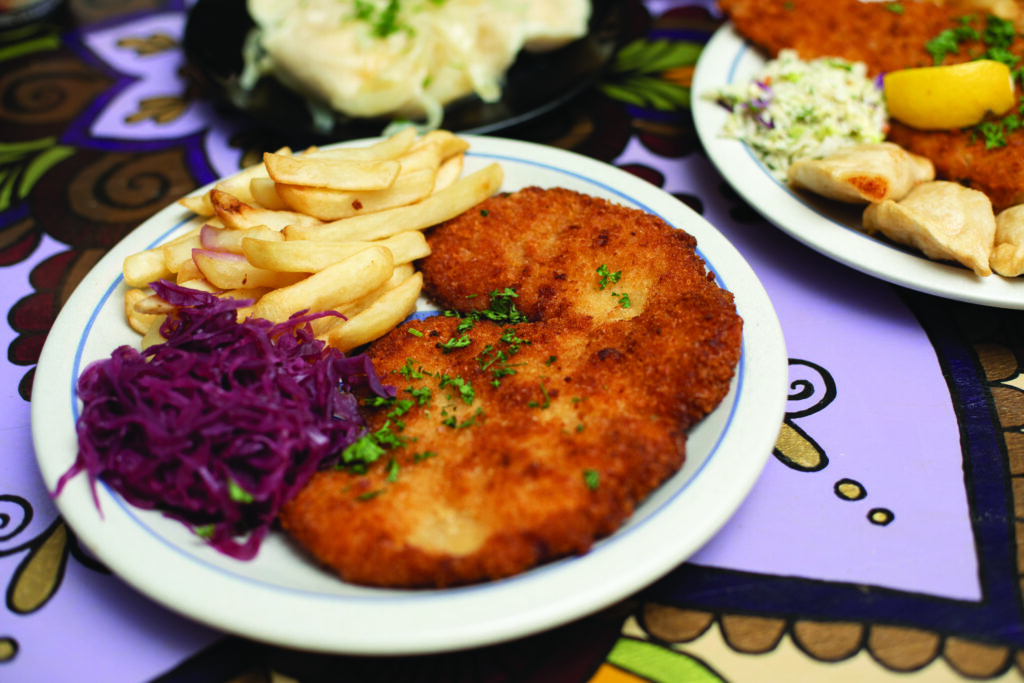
<point x="828" y="227"/>
<point x="283" y="598"/>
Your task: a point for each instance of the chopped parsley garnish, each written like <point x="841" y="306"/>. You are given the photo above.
<point x="387" y="22"/>
<point x="414" y="332"/>
<point x="385" y="437"/>
<point x="476" y="418"/>
<point x="484" y="213"/>
<point x="503" y="308"/>
<point x="550" y="360"/>
<point x="364" y="10"/>
<point x="514" y="341"/>
<point x="464" y="388"/>
<point x="455" y="343"/>
<point x="547" y="398"/>
<point x="408" y="371"/>
<point x="894" y="7"/>
<point x="423" y="455"/>
<point x="383" y="23"/>
<point x="592" y="479"/>
<point x="393" y="469"/>
<point x="948" y="41"/>
<point x="402" y="406"/>
<point x="422" y="395"/>
<point x="237" y="493"/>
<point x="360" y="453"/>
<point x="452" y="420"/>
<point x="369" y="495"/>
<point x="606" y="277"/>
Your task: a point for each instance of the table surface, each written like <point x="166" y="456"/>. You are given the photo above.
<point x="884" y="539"/>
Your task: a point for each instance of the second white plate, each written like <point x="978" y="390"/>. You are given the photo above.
<point x="828" y="227"/>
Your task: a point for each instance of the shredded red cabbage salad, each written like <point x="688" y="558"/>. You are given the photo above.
<point x="223" y="423"/>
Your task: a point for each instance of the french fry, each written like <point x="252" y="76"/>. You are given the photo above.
<point x="329" y="230"/>
<point x="188" y="272"/>
<point x="239" y="215"/>
<point x="437" y="208"/>
<point x="329" y="205"/>
<point x="382" y="315"/>
<point x="231" y="271"/>
<point x="449" y="171"/>
<point x="332" y="174"/>
<point x="178" y="252"/>
<point x="448" y="143"/>
<point x="151" y="305"/>
<point x="422" y="157"/>
<point x="200" y="283"/>
<point x="199" y="204"/>
<point x="138" y="320"/>
<point x="307" y="256"/>
<point x="401" y="273"/>
<point x="264" y="192"/>
<point x="230" y="239"/>
<point x="416" y="181"/>
<point x="345" y="281"/>
<point x="237" y="185"/>
<point x="152" y="334"/>
<point x="141" y="268"/>
<point x="390" y="148"/>
<point x="251" y="293"/>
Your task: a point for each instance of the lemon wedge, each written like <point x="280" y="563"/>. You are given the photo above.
<point x="949" y="96"/>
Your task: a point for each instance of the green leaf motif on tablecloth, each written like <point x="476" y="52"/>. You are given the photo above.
<point x="22" y="164"/>
<point x="25" y="40"/>
<point x="659" y="664"/>
<point x="654" y="74"/>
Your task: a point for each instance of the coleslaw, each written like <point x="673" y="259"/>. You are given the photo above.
<point x="796" y="109"/>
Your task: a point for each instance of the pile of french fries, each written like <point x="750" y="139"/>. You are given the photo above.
<point x="325" y="230"/>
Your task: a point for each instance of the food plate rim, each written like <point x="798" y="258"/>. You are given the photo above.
<point x="727" y="58"/>
<point x="415" y="622"/>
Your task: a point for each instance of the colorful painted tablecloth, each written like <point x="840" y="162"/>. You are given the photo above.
<point x="882" y="541"/>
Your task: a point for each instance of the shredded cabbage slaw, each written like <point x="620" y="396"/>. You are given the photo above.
<point x="797" y="109"/>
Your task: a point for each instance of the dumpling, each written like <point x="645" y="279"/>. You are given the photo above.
<point x="1008" y="253"/>
<point x="945" y="220"/>
<point x="870" y="172"/>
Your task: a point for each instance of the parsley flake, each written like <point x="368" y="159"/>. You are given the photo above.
<point x="237" y="493"/>
<point x="455" y="343"/>
<point x="606" y="277"/>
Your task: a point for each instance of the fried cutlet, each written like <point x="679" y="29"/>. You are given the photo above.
<point x="522" y="442"/>
<point x="887" y="39"/>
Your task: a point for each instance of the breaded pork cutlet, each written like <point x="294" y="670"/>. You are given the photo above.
<point x="512" y="442"/>
<point x="887" y="39"/>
